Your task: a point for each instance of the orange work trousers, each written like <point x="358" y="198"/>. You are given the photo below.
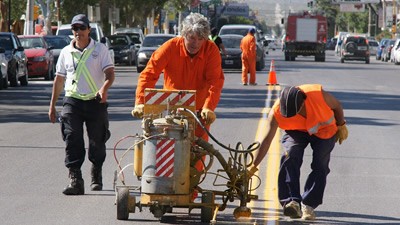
<point x="248" y="66"/>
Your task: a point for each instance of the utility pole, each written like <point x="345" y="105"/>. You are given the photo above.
<point x="9" y="15"/>
<point x="58" y="13"/>
<point x="28" y="28"/>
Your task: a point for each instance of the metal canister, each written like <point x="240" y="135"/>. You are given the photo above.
<point x="166" y="157"/>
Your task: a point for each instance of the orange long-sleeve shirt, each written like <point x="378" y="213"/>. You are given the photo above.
<point x="248" y="46"/>
<point x="202" y="73"/>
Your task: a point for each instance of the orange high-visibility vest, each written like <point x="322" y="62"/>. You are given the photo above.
<point x="320" y="119"/>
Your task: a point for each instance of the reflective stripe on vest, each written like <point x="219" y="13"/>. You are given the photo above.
<point x="81" y="69"/>
<point x="212" y="38"/>
<point x="314" y="129"/>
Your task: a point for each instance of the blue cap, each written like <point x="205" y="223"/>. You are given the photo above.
<point x="80" y="19"/>
<point x="252" y="30"/>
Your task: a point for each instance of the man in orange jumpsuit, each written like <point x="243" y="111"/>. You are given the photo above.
<point x="248" y="47"/>
<point x="189" y="62"/>
<point x="308" y="115"/>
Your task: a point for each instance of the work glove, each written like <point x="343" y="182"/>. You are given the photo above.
<point x="252" y="171"/>
<point x="341" y="133"/>
<point x="138" y="111"/>
<point x="208" y="116"/>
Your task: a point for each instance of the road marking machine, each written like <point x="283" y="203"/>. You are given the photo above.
<point x="164" y="161"/>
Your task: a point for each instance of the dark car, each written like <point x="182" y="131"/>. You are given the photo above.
<point x="331" y="44"/>
<point x="136" y="38"/>
<point x="382" y="45"/>
<point x="242" y="29"/>
<point x="232" y="59"/>
<point x="150" y="43"/>
<point x="17" y="61"/>
<point x="124" y="49"/>
<point x="385" y="56"/>
<point x="58" y="42"/>
<point x="354" y="48"/>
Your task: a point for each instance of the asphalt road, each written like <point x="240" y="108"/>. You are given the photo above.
<point x="362" y="186"/>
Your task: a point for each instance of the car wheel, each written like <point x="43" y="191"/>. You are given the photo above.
<point x="367" y="60"/>
<point x="4" y="82"/>
<point x="49" y="74"/>
<point x="350" y="47"/>
<point x="139" y="69"/>
<point x="13" y="77"/>
<point x="23" y="80"/>
<point x="342" y="60"/>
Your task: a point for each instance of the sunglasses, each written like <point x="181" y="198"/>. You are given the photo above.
<point x="75" y="28"/>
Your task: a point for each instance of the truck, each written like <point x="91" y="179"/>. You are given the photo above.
<point x="306" y="35"/>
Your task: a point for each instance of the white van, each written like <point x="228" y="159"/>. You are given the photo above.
<point x="95" y="31"/>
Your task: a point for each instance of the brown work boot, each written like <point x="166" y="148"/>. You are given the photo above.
<point x="76" y="186"/>
<point x="97" y="179"/>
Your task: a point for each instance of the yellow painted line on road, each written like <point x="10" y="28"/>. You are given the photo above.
<point x="272" y="205"/>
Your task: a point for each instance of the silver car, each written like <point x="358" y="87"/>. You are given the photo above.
<point x="373" y="47"/>
<point x="3" y="69"/>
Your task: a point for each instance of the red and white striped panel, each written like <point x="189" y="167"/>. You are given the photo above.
<point x="165" y="158"/>
<point x="175" y="98"/>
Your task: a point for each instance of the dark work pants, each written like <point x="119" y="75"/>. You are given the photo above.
<point x="94" y="115"/>
<point x="294" y="143"/>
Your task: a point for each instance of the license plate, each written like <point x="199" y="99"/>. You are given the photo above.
<point x="362" y="48"/>
<point x="229" y="62"/>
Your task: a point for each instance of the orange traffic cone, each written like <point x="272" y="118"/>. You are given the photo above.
<point x="272" y="74"/>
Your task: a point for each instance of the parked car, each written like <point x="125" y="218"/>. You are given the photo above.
<point x="17" y="61"/>
<point x="136" y="38"/>
<point x="242" y="29"/>
<point x="135" y="31"/>
<point x="354" y="48"/>
<point x="331" y="43"/>
<point x="373" y="47"/>
<point x="3" y="69"/>
<point x="40" y="56"/>
<point x="396" y="52"/>
<point x="124" y="49"/>
<point x="58" y="43"/>
<point x="233" y="52"/>
<point x="395" y="48"/>
<point x="387" y="50"/>
<point x="150" y="43"/>
<point x="381" y="46"/>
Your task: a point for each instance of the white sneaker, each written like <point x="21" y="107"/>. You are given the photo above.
<point x="292" y="209"/>
<point x="308" y="212"/>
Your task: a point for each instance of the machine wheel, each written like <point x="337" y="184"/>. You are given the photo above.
<point x="122" y="203"/>
<point x="207" y="212"/>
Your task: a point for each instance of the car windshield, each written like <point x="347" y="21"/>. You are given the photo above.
<point x="6" y="43"/>
<point x="356" y="40"/>
<point x="29" y="43"/>
<point x="154" y="41"/>
<point x="242" y="32"/>
<point x="231" y="42"/>
<point x="135" y="38"/>
<point x="373" y="43"/>
<point x="118" y="40"/>
<point x="57" y="43"/>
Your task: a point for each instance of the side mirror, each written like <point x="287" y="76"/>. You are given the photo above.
<point x="20" y="48"/>
<point x="103" y="40"/>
